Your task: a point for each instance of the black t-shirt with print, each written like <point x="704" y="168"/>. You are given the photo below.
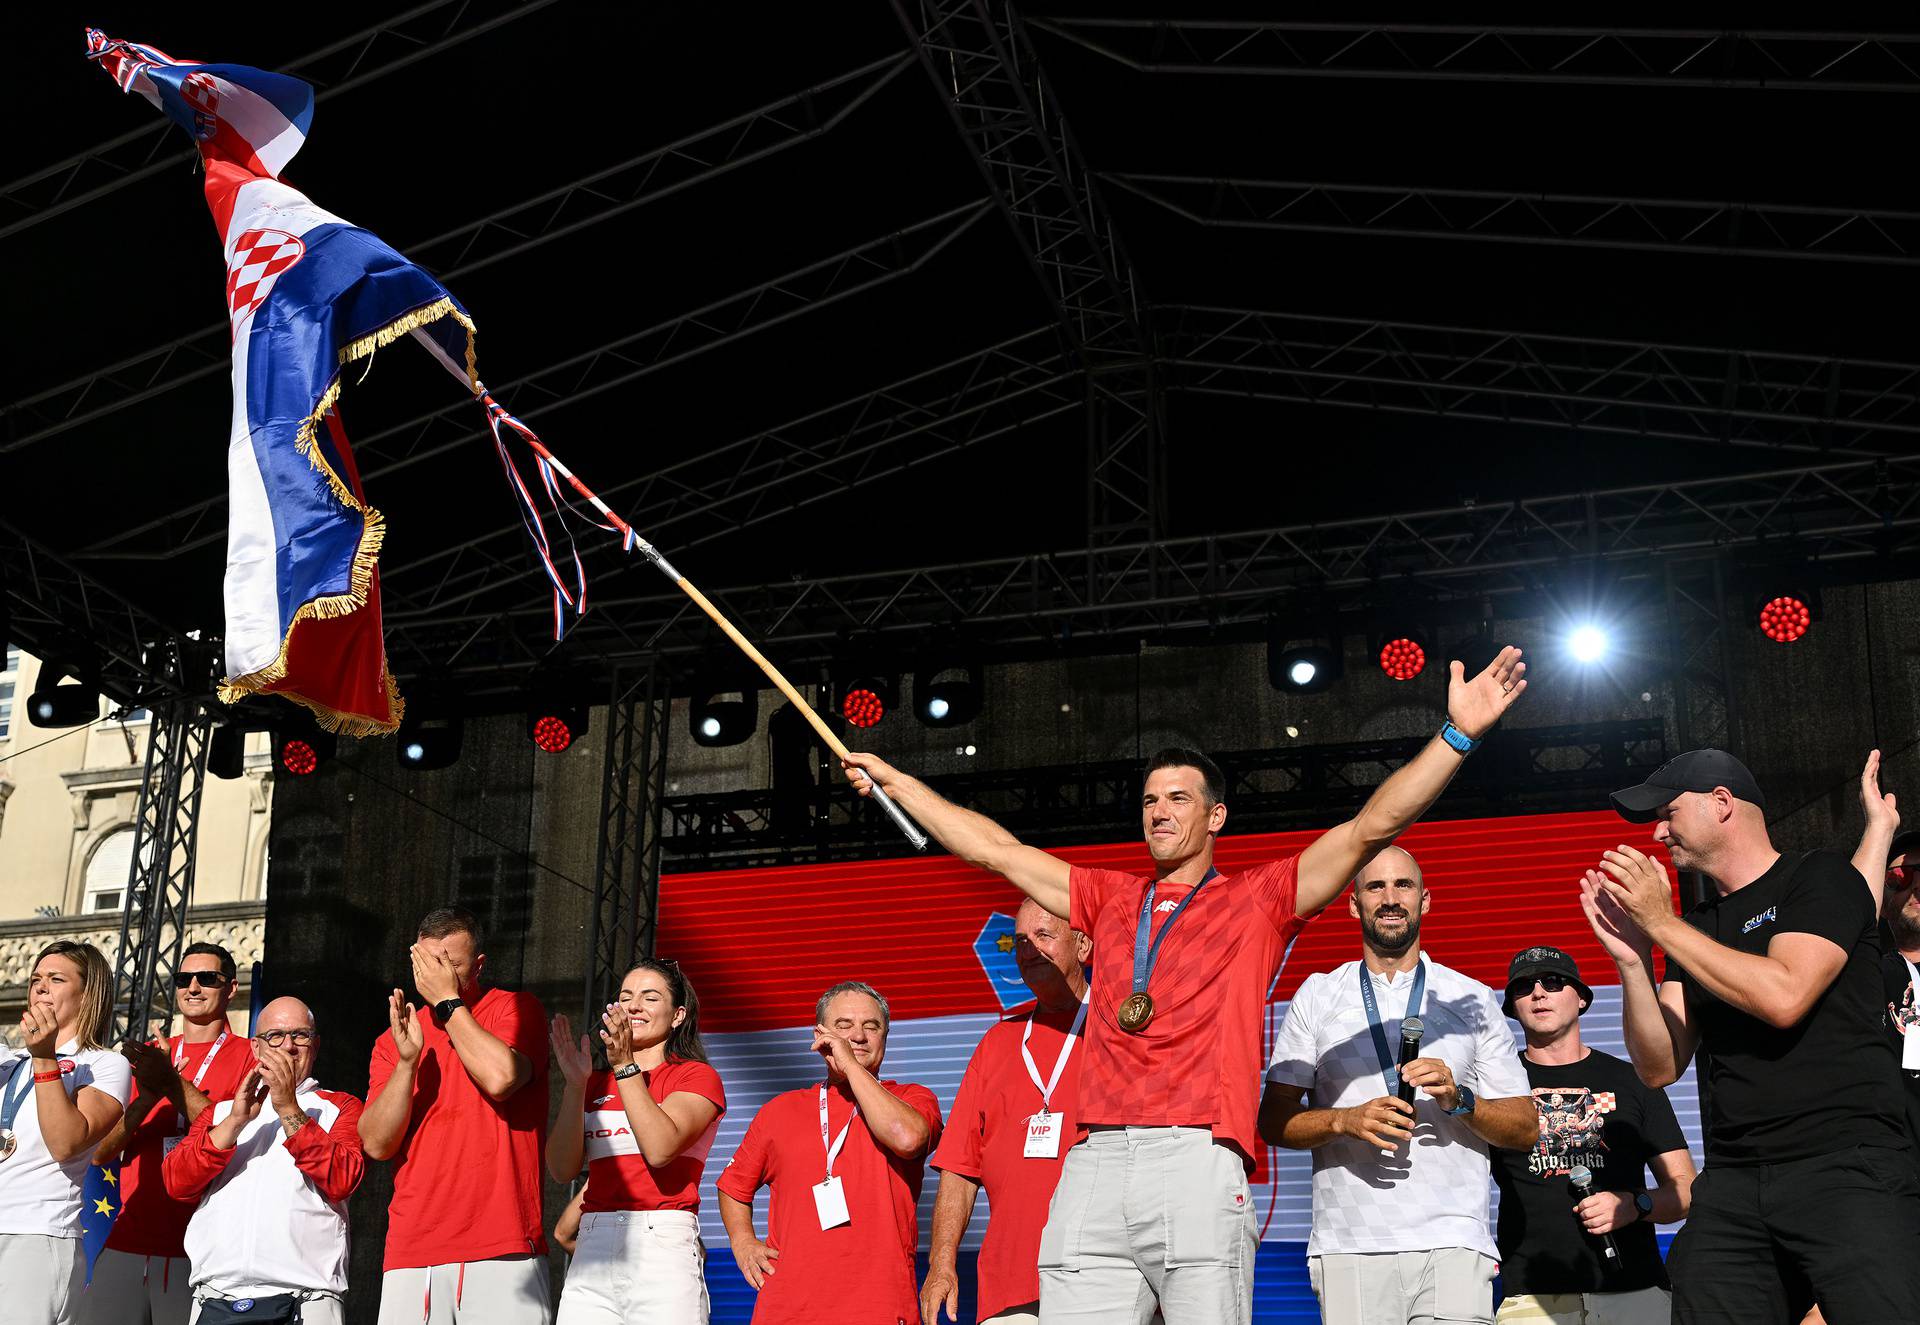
<point x="1598" y="1113"/>
<point x="1829" y="1083"/>
<point x="1900" y="1019"/>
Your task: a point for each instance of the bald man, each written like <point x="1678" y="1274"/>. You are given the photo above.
<point x="1400" y="1228"/>
<point x="272" y="1169"/>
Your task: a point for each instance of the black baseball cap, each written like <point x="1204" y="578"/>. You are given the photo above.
<point x="1696" y="770"/>
<point x="1904" y="844"/>
<point x="1537" y="961"/>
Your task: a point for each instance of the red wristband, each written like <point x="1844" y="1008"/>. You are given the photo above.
<point x="42" y="1078"/>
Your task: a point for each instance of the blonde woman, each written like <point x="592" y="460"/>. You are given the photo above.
<point x="59" y="1097"/>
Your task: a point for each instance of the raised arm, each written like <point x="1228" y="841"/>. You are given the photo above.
<point x="1660" y="1040"/>
<point x="1883" y="821"/>
<point x="495" y="1066"/>
<point x="896" y="1125"/>
<point x="1336" y="855"/>
<point x="663" y="1129"/>
<point x="973" y="837"/>
<point x="566" y="1139"/>
<point x="383" y="1125"/>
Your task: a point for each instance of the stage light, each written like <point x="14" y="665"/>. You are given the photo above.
<point x="945" y="693"/>
<point x="61" y="698"/>
<point x="1588" y="643"/>
<point x="1301" y="671"/>
<point x="427" y="740"/>
<point x="227" y="751"/>
<point x="1784" y="618"/>
<point x="1303" y="668"/>
<point x="300" y="748"/>
<point x="723" y="713"/>
<point x="555" y="718"/>
<point x="1403" y="657"/>
<point x="867" y="697"/>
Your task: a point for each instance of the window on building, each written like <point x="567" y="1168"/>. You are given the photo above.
<point x="107" y="870"/>
<point x="9" y="677"/>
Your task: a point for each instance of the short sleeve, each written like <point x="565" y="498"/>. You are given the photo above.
<point x="106" y="1072"/>
<point x="385" y="1056"/>
<point x="1497" y="1073"/>
<point x="963" y="1144"/>
<point x="1277" y="886"/>
<point x="521" y="1023"/>
<point x="1296" y="1059"/>
<point x="1827" y="897"/>
<point x="1089" y="891"/>
<point x="923" y="1103"/>
<point x="697" y="1078"/>
<point x="746" y="1173"/>
<point x="1658" y="1123"/>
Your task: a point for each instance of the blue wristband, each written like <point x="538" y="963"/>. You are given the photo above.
<point x="1459" y="740"/>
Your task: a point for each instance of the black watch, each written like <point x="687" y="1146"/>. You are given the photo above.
<point x="1643" y="1202"/>
<point x="446" y="1007"/>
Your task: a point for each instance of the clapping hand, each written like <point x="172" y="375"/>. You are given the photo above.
<point x="408" y="1039"/>
<point x="575" y="1060"/>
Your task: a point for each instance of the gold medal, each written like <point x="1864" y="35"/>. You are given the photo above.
<point x="1136" y="1010"/>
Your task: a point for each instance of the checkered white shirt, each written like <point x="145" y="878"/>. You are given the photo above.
<point x="1434" y="1193"/>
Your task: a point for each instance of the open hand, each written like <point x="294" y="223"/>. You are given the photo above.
<point x="616" y="1033"/>
<point x="433" y="975"/>
<point x="275" y="1067"/>
<point x="40" y="1031"/>
<point x="575" y="1060"/>
<point x="1881" y="811"/>
<point x="247" y="1096"/>
<point x="1640" y="885"/>
<point x="408" y="1039"/>
<point x="1618" y="934"/>
<point x="153" y="1071"/>
<point x="1475" y="705"/>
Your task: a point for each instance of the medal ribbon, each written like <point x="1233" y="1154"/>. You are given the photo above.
<point x="1389" y="1067"/>
<point x="1060" y="1063"/>
<point x="10" y="1105"/>
<point x="1144" y="956"/>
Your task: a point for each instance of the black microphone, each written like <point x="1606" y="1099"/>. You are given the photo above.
<point x="1580" y="1179"/>
<point x="1410" y="1032"/>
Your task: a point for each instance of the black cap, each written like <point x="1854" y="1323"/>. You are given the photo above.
<point x="1530" y="962"/>
<point x="1904" y="844"/>
<point x="1696" y="770"/>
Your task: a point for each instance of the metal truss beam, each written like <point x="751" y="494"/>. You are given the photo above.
<point x="1845" y="514"/>
<point x="372" y="53"/>
<point x="56" y="608"/>
<point x="626" y="880"/>
<point x="724" y="489"/>
<point x="603" y="368"/>
<point x="1532" y="769"/>
<point x="1633" y="57"/>
<point x="1689" y="393"/>
<point x="595" y="198"/>
<point x="1661" y="225"/>
<point x="166" y="824"/>
<point x="983" y="65"/>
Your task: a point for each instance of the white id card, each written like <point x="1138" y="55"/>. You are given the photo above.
<point x="1043" y="1136"/>
<point x="830" y="1199"/>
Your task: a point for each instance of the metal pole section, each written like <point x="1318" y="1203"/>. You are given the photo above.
<point x="153" y="919"/>
<point x="627" y="866"/>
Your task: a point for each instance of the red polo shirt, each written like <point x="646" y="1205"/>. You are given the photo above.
<point x="151" y="1223"/>
<point x="986" y="1140"/>
<point x="1197" y="1063"/>
<point x="861" y="1272"/>
<point x="466" y="1180"/>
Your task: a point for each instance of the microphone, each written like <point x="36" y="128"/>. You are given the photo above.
<point x="1580" y="1180"/>
<point x="1410" y="1032"/>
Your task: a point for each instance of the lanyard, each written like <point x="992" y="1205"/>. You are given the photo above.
<point x="180" y="1056"/>
<point x="833" y="1147"/>
<point x="1415" y="1002"/>
<point x="1060" y="1063"/>
<point x="10" y="1106"/>
<point x="1144" y="956"/>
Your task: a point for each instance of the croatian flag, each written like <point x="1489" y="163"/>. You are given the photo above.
<point x="307" y="294"/>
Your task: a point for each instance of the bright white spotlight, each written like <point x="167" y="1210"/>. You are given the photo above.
<point x="1587" y="644"/>
<point x="938" y="707"/>
<point x="415" y="752"/>
<point x="709" y="727"/>
<point x="1302" y="672"/>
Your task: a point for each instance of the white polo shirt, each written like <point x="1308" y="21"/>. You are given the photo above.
<point x="1434" y="1192"/>
<point x="37" y="1194"/>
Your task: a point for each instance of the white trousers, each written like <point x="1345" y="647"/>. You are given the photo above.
<point x="1451" y="1284"/>
<point x="644" y="1267"/>
<point x="136" y="1290"/>
<point x="1644" y="1306"/>
<point x="40" y="1278"/>
<point x="510" y="1290"/>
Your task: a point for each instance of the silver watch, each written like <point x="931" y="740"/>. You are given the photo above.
<point x="630" y="1070"/>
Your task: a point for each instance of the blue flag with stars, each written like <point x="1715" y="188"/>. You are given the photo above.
<point x="99" y="1207"/>
<point x="994" y="949"/>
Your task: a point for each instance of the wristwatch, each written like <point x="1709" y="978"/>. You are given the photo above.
<point x="1465" y="1104"/>
<point x="1643" y="1202"/>
<point x="446" y="1007"/>
<point x="630" y="1070"/>
<point x="1459" y="740"/>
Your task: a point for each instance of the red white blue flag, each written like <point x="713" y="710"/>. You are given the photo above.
<point x="307" y="294"/>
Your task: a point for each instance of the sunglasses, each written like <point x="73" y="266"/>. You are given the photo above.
<point x="278" y="1039"/>
<point x="1553" y="984"/>
<point x="1904" y="873"/>
<point x="187" y="979"/>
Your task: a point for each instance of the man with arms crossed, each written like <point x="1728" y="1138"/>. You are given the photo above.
<point x="1009" y="1130"/>
<point x="1152" y="1209"/>
<point x="1810" y="1192"/>
<point x="1595" y="1113"/>
<point x="458" y="1100"/>
<point x="135" y="1278"/>
<point x="1399" y="1189"/>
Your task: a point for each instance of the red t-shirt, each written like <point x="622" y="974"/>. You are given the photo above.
<point x="618" y="1175"/>
<point x="466" y="1180"/>
<point x="986" y="1140"/>
<point x="1197" y="1063"/>
<point x="851" y="1274"/>
<point x="151" y="1223"/>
